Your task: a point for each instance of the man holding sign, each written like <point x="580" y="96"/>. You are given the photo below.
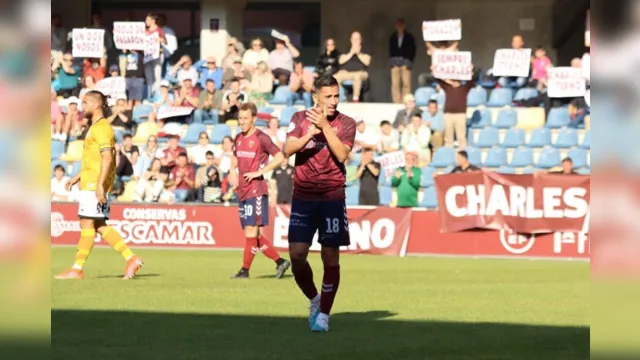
<point x="517" y="43"/>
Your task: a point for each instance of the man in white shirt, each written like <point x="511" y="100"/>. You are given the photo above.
<point x="416" y="136"/>
<point x="389" y="138"/>
<point x="365" y="138"/>
<point x="223" y="156"/>
<point x="58" y="185"/>
<point x="184" y="69"/>
<point x="172" y="41"/>
<point x="198" y="153"/>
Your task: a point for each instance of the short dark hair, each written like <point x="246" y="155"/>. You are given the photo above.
<point x="385" y="122"/>
<point x="367" y="150"/>
<point x="59" y="167"/>
<point x="102" y="98"/>
<point x="463" y="154"/>
<point x="209" y="80"/>
<point x="567" y="159"/>
<point x="235" y="79"/>
<point x="182" y="154"/>
<point x="208" y="153"/>
<point x="432" y="101"/>
<point x="418" y="115"/>
<point x="249" y="106"/>
<point x="126" y="136"/>
<point x="324" y="81"/>
<point x="228" y="138"/>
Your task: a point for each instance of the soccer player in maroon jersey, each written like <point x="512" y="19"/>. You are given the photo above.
<point x="322" y="139"/>
<point x="251" y="153"/>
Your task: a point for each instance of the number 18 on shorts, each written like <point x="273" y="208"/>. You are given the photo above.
<point x="254" y="211"/>
<point x="329" y="218"/>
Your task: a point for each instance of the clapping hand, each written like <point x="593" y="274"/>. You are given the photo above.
<point x="318" y="117"/>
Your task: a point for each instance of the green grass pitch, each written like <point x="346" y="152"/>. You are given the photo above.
<point x="184" y="306"/>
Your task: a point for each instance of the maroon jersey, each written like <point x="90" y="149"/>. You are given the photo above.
<point x="318" y="175"/>
<point x="252" y="153"/>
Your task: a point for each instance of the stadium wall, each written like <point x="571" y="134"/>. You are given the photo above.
<point x="373" y="230"/>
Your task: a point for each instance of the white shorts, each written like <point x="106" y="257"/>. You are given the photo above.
<point x="89" y="207"/>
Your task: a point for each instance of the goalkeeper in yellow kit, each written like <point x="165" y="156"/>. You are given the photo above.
<point x="96" y="181"/>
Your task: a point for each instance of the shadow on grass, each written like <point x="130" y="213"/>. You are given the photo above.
<point x="139" y="276"/>
<point x="286" y="276"/>
<point x="357" y="336"/>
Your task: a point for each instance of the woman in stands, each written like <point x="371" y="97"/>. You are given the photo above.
<point x="261" y="85"/>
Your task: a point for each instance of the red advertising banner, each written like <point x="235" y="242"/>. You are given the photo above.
<point x="536" y="203"/>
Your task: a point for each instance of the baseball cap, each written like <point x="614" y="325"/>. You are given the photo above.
<point x="165" y="83"/>
<point x="73" y="100"/>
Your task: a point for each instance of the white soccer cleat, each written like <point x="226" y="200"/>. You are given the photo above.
<point x="314" y="310"/>
<point x="321" y="324"/>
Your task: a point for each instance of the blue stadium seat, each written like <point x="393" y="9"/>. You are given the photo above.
<point x="141" y="112"/>
<point x="500" y="97"/>
<point x="530" y="170"/>
<point x="549" y="157"/>
<point x="506" y="170"/>
<point x="193" y="133"/>
<point x="218" y="133"/>
<point x="215" y="119"/>
<point x="514" y="138"/>
<point x="383" y="180"/>
<point x="427" y="177"/>
<point x="57" y="149"/>
<point x="75" y="169"/>
<point x="579" y="157"/>
<point x="477" y="96"/>
<point x="266" y="110"/>
<point x="119" y="134"/>
<point x="558" y="118"/>
<point x="584" y="171"/>
<point x="522" y="156"/>
<point x="55" y="163"/>
<point x="586" y="142"/>
<point x="496" y="157"/>
<point x="480" y="119"/>
<point x="352" y="195"/>
<point x="567" y="138"/>
<point x="386" y="195"/>
<point x="440" y="98"/>
<point x="281" y="96"/>
<point x="286" y="114"/>
<point x="343" y="93"/>
<point x="540" y="137"/>
<point x="430" y="199"/>
<point x="423" y="95"/>
<point x="355" y="159"/>
<point x="525" y="93"/>
<point x="488" y="137"/>
<point x="475" y="155"/>
<point x="470" y="138"/>
<point x="507" y="118"/>
<point x="443" y="157"/>
<point x="448" y="169"/>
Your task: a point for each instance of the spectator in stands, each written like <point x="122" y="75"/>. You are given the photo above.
<point x="121" y="117"/>
<point x="166" y="195"/>
<point x="282" y="180"/>
<point x="455" y="111"/>
<point x="517" y="43"/>
<point x="58" y="37"/>
<point x="567" y="168"/>
<point x="89" y="83"/>
<point x="301" y="84"/>
<point x="114" y="70"/>
<point x="164" y="97"/>
<point x="276" y="134"/>
<point x="209" y="103"/>
<point x="70" y="119"/>
<point x="578" y="111"/>
<point x="224" y="155"/>
<point x="417" y="136"/>
<point x="187" y="96"/>
<point x="328" y="62"/>
<point x="58" y="184"/>
<point x="79" y="129"/>
<point x="211" y="72"/>
<point x="281" y="60"/>
<point x="407" y="181"/>
<point x="96" y="68"/>
<point x="149" y="153"/>
<point x="389" y="138"/>
<point x="56" y="115"/>
<point x="184" y="69"/>
<point x="172" y="151"/>
<point x="134" y="75"/>
<point x="237" y="71"/>
<point x="96" y="23"/>
<point x="197" y="153"/>
<point x="235" y="49"/>
<point x="261" y="85"/>
<point x="132" y="152"/>
<point x="255" y="54"/>
<point x="540" y="63"/>
<point x="365" y="138"/>
<point x="434" y="119"/>
<point x="403" y="118"/>
<point x="232" y="99"/>
<point x="354" y="66"/>
<point x="150" y="184"/>
<point x="427" y="79"/>
<point x="68" y="75"/>
<point x="463" y="164"/>
<point x="368" y="174"/>
<point x="124" y="167"/>
<point x="184" y="177"/>
<point x="153" y="68"/>
<point x="172" y="41"/>
<point x="402" y="52"/>
<point x="208" y="183"/>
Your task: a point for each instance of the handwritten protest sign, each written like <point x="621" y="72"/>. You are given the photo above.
<point x="565" y="82"/>
<point x="278" y="35"/>
<point x="115" y="87"/>
<point x="129" y="35"/>
<point x="442" y="30"/>
<point x="88" y="43"/>
<point x="512" y="62"/>
<point x="171" y="111"/>
<point x="390" y="161"/>
<point x="151" y="47"/>
<point x="452" y="65"/>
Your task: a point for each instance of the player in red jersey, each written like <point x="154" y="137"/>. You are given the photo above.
<point x="251" y="153"/>
<point x="322" y="139"/>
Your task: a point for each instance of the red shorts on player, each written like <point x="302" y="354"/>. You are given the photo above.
<point x="254" y="211"/>
<point x="329" y="218"/>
